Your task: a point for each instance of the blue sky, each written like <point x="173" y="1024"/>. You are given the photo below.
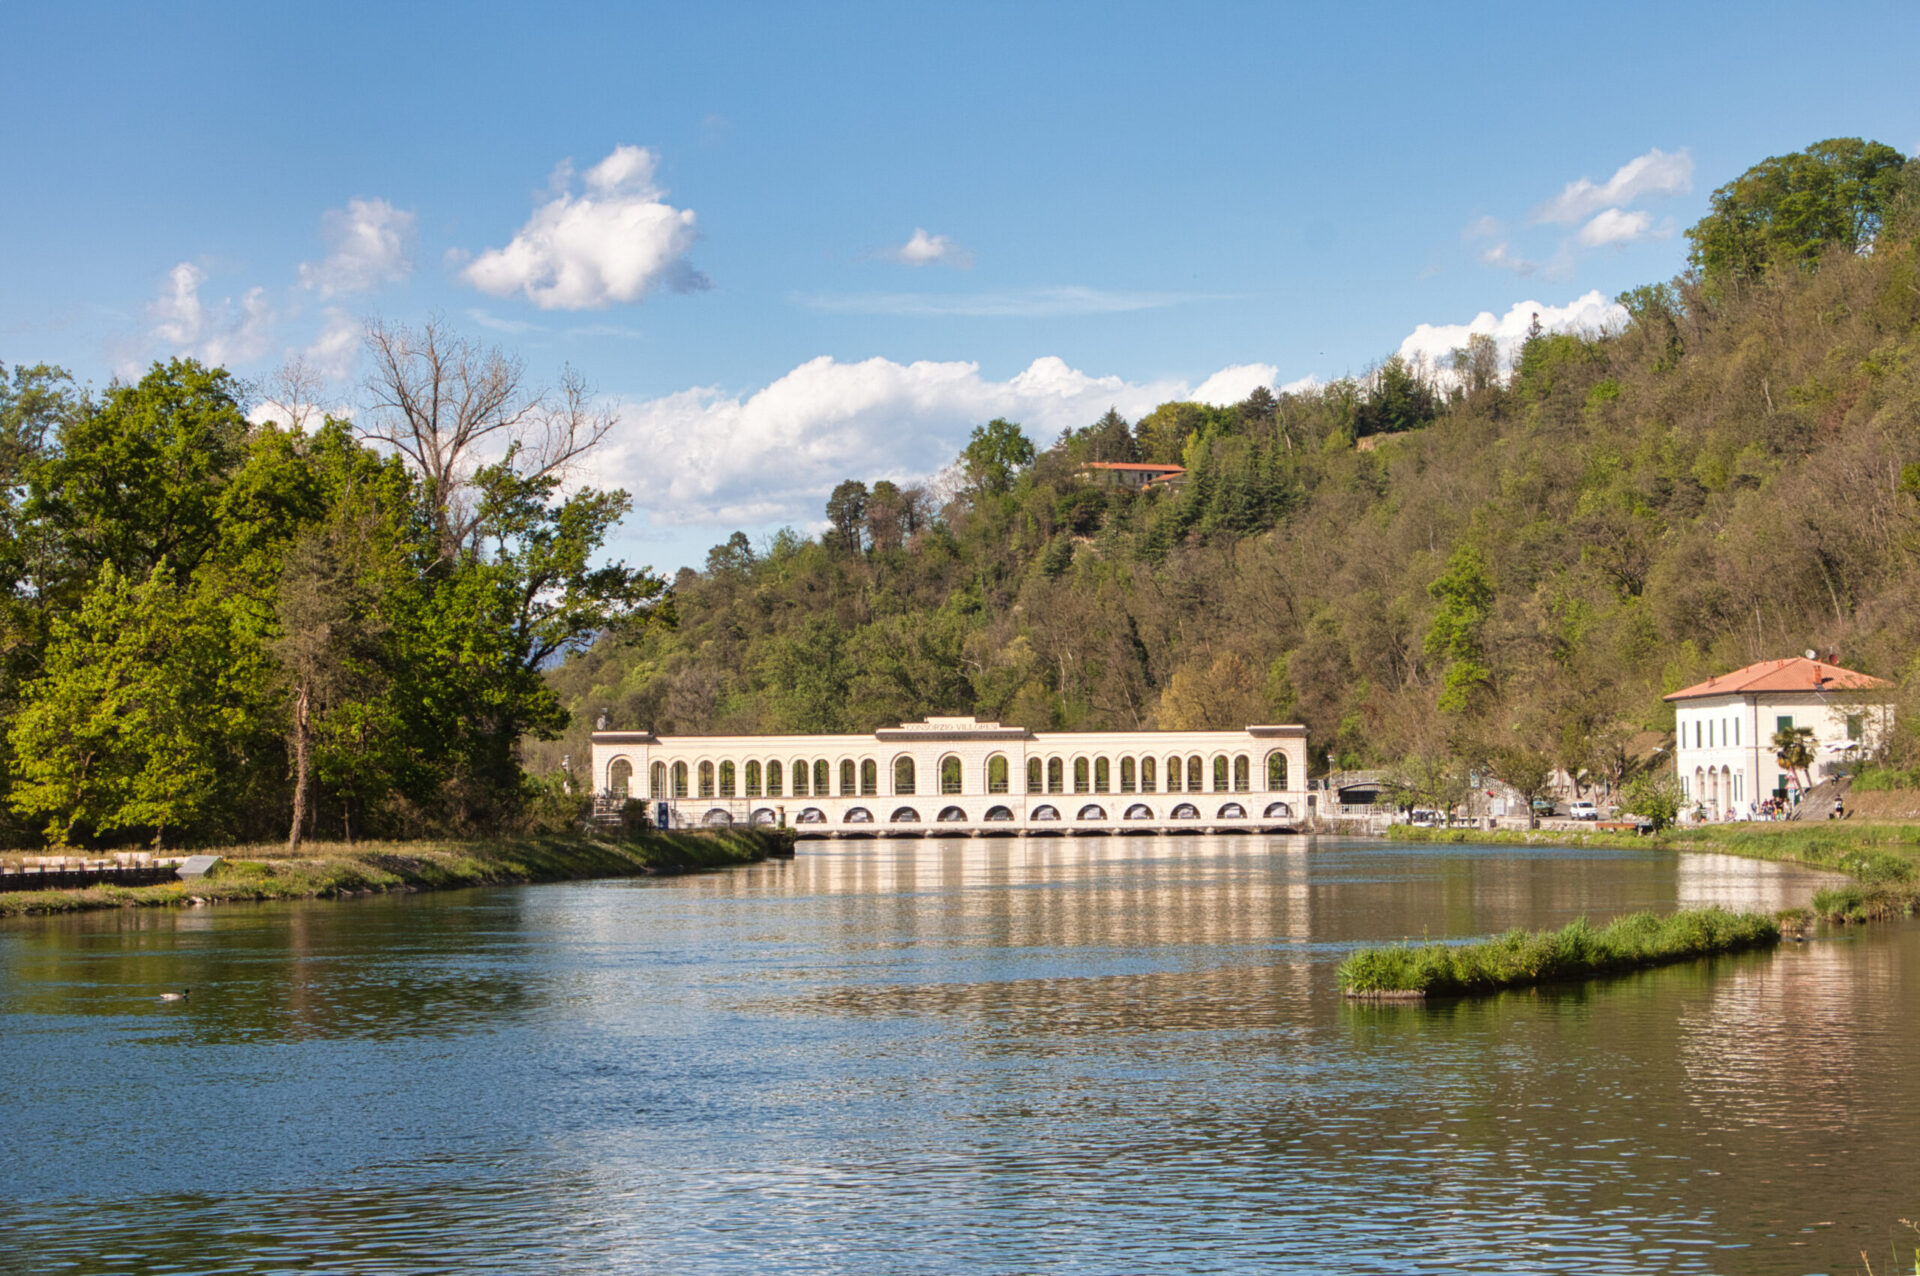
<point x="799" y="244"/>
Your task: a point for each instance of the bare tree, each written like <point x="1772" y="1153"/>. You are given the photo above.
<point x="451" y="406"/>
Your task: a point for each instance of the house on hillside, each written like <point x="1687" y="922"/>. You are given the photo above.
<point x="1130" y="474"/>
<point x="1724" y="729"/>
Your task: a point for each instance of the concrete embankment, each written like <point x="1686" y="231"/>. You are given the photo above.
<point x="335" y="870"/>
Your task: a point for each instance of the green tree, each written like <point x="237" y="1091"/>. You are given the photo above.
<point x="1793" y="750"/>
<point x="1653" y="797"/>
<point x="1464" y="592"/>
<point x="847" y="511"/>
<point x="1397" y="398"/>
<point x="1789" y="209"/>
<point x="1528" y="772"/>
<point x="995" y="455"/>
<point x="150" y="689"/>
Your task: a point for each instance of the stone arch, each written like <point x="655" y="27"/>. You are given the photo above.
<point x="903" y="773"/>
<point x="1242" y="773"/>
<point x="1102" y="775"/>
<point x="718" y="818"/>
<point x="706" y="779"/>
<point x="1056" y="775"/>
<point x="999" y="814"/>
<point x="765" y="818"/>
<point x="728" y="774"/>
<point x="1175" y="769"/>
<point x="1278" y="811"/>
<point x="1092" y="811"/>
<point x="1082" y="776"/>
<point x="869" y="778"/>
<point x="950" y="815"/>
<point x="950" y="774"/>
<point x="1034" y="782"/>
<point x="811" y="815"/>
<point x="620" y="778"/>
<point x="1147" y="778"/>
<point x="1046" y="811"/>
<point x="857" y="815"/>
<point x="680" y="779"/>
<point x="1231" y="811"/>
<point x="849" y="785"/>
<point x="800" y="785"/>
<point x="1196" y="774"/>
<point x="1277" y="771"/>
<point x="1129" y="775"/>
<point x="997" y="778"/>
<point x="753" y="779"/>
<point x="1220" y="778"/>
<point x="904" y="815"/>
<point x="1138" y="811"/>
<point x="776" y="778"/>
<point x="1184" y="811"/>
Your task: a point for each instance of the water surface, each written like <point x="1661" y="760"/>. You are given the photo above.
<point x="1048" y="1055"/>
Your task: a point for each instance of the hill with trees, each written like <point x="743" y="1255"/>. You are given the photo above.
<point x="1436" y="570"/>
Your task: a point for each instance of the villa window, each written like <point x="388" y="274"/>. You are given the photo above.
<point x="753" y="779"/>
<point x="1242" y="774"/>
<point x="950" y="775"/>
<point x="706" y="779"/>
<point x="1277" y="772"/>
<point x="1080" y="775"/>
<point x="869" y="778"/>
<point x="726" y="779"/>
<point x="1126" y="775"/>
<point x="775" y="780"/>
<point x="903" y="775"/>
<point x="1146" y="775"/>
<point x="997" y="774"/>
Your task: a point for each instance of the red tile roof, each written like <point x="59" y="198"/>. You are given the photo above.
<point x="1796" y="673"/>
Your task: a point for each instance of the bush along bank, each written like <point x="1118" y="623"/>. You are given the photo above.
<point x="1520" y="958"/>
<point x="336" y="870"/>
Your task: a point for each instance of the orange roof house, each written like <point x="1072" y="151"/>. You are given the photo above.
<point x="1724" y="729"/>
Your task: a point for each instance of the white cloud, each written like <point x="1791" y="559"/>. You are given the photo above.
<point x="1502" y="257"/>
<point x="616" y="242"/>
<point x="1435" y="343"/>
<point x="514" y="327"/>
<point x="1230" y="385"/>
<point x="336" y="350"/>
<point x="1656" y="173"/>
<point x="706" y="457"/>
<point x="225" y="333"/>
<point x="1612" y="226"/>
<point x="924" y="249"/>
<point x="1025" y="303"/>
<point x="371" y="243"/>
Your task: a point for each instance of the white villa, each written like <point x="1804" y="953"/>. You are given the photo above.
<point x="965" y="776"/>
<point x="1724" y="728"/>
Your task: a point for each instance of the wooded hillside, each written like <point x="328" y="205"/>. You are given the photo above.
<point x="1427" y="567"/>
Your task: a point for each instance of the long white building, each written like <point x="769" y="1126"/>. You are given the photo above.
<point x="1724" y="729"/>
<point x="960" y="775"/>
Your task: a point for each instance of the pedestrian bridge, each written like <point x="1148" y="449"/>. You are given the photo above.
<point x="959" y="777"/>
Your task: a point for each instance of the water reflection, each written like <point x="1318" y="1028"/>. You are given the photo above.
<point x="1070" y="1055"/>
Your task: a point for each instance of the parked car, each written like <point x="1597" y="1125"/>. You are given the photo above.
<point x="1426" y="818"/>
<point x="1583" y="810"/>
<point x="1543" y="806"/>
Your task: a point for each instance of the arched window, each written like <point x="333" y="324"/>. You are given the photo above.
<point x="726" y="779"/>
<point x="1079" y="775"/>
<point x="1277" y="771"/>
<point x="1196" y="774"/>
<point x="659" y="789"/>
<point x="706" y="779"/>
<point x="820" y="773"/>
<point x="1102" y="775"/>
<point x="869" y="777"/>
<point x="679" y="779"/>
<point x="620" y="777"/>
<point x="903" y="774"/>
<point x="776" y="781"/>
<point x="1146" y="775"/>
<point x="1220" y="774"/>
<point x="1173" y="775"/>
<point x="1242" y="774"/>
<point x="1056" y="776"/>
<point x="997" y="773"/>
<point x="1033" y="775"/>
<point x="753" y="779"/>
<point x="950" y="775"/>
<point x="1126" y="775"/>
<point x="848" y="786"/>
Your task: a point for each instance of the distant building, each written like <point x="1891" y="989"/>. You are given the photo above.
<point x="1131" y="474"/>
<point x="1724" y="728"/>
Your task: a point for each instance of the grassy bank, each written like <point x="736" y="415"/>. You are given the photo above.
<point x="327" y="870"/>
<point x="1884" y="859"/>
<point x="1522" y="959"/>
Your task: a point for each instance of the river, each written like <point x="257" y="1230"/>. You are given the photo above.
<point x="1055" y="1055"/>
